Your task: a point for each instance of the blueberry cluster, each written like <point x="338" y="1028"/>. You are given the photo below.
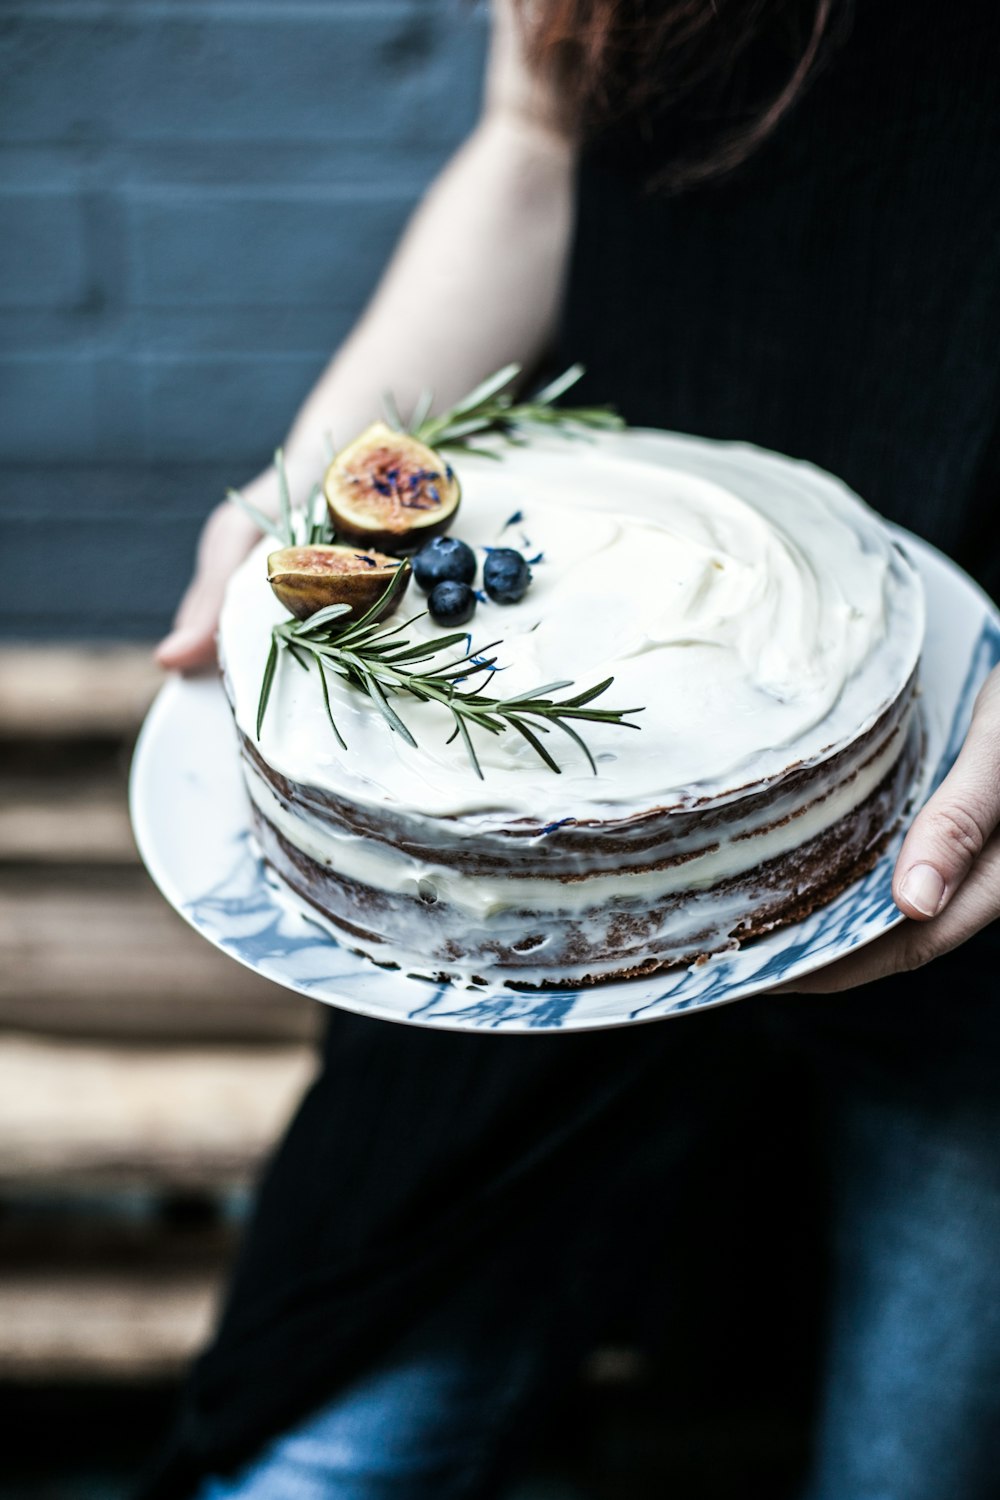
<point x="445" y="569"/>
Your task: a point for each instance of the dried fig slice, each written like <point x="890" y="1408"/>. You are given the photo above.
<point x="388" y="490"/>
<point x="306" y="579"/>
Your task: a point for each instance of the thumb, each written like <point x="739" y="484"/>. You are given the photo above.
<point x="190" y="646"/>
<point x="949" y="834"/>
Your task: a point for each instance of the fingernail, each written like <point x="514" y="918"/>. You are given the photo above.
<point x="923" y="889"/>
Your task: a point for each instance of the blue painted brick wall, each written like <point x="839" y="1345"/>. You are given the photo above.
<point x="196" y="198"/>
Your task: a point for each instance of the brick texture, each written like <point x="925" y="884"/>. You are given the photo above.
<point x="197" y="197"/>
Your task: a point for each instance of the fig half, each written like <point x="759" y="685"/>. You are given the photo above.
<point x="306" y="579"/>
<point x="388" y="490"/>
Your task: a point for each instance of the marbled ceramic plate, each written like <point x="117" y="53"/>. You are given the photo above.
<point x="191" y="820"/>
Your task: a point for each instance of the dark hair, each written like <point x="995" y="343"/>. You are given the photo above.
<point x="616" y="58"/>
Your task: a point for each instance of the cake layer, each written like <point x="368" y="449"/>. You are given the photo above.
<point x="394" y="849"/>
<point x="774" y="856"/>
<point x="583" y="933"/>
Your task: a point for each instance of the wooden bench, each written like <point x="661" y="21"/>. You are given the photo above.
<point x="138" y="1066"/>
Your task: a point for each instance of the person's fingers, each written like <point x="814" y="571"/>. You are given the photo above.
<point x="225" y="541"/>
<point x="950" y="833"/>
<point x="190" y="645"/>
<point x="912" y="944"/>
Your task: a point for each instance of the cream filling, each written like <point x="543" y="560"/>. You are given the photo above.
<point x="478" y="898"/>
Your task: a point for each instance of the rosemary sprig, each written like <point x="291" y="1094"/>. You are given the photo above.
<point x="384" y="664"/>
<point x="290" y="528"/>
<point x="491" y="409"/>
<point x="488" y="410"/>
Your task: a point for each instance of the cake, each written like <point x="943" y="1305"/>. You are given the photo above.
<point x="761" y="616"/>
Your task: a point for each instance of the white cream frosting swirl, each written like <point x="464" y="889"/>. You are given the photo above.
<point x="755" y="609"/>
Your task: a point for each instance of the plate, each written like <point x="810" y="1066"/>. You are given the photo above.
<point x="191" y="820"/>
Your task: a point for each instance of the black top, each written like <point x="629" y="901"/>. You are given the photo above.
<point x="838" y="299"/>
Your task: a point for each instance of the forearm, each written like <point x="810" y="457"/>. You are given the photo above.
<point x="475" y="282"/>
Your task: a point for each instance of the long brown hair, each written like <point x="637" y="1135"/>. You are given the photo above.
<point x="614" y="58"/>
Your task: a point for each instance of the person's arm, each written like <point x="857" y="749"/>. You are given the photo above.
<point x="475" y="282"/>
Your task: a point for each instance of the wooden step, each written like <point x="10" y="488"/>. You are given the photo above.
<point x="101" y="1302"/>
<point x="77" y="1117"/>
<point x="106" y="1303"/>
<point x="99" y="952"/>
<point x="66" y="818"/>
<point x="102" y="1324"/>
<point x="71" y="692"/>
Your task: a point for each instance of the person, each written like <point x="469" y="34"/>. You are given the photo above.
<point x="777" y="223"/>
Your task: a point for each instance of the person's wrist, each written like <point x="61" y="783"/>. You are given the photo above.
<point x="302" y="472"/>
<point x="261" y="492"/>
<point x="227" y="531"/>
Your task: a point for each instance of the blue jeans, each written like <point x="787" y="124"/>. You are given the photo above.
<point x="430" y="1424"/>
<point x="910" y="1400"/>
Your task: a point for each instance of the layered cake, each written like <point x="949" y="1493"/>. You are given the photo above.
<point x="760" y="616"/>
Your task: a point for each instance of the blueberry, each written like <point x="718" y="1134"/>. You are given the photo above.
<point x="444" y="560"/>
<point x="451" y="603"/>
<point x="506" y="575"/>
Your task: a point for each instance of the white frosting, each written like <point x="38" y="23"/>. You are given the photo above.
<point x="755" y="608"/>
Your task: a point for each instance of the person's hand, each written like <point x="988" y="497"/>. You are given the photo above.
<point x="226" y="538"/>
<point x="947" y="876"/>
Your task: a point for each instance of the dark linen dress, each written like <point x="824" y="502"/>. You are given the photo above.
<point x="836" y="298"/>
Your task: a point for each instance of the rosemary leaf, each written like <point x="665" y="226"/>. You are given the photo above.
<point x="317" y="521"/>
<point x="284" y="498"/>
<point x="421" y="410"/>
<point x="592" y="416"/>
<point x="377" y="638"/>
<point x="463" y="672"/>
<point x="535" y="743"/>
<point x="265" y="687"/>
<point x="482" y="452"/>
<point x="550" y="687"/>
<point x="267" y="524"/>
<point x="457" y="428"/>
<point x="491" y="409"/>
<point x="324" y="688"/>
<point x="321" y="619"/>
<point x="391" y="410"/>
<point x="385" y="599"/>
<point x="566" y="729"/>
<point x="487" y="388"/>
<point x="469" y="656"/>
<point x="469" y="746"/>
<point x="589" y="694"/>
<point x="426" y="649"/>
<point x="555" y="388"/>
<point x="384" y="706"/>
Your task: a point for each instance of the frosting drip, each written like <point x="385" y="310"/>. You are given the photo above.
<point x="756" y="610"/>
